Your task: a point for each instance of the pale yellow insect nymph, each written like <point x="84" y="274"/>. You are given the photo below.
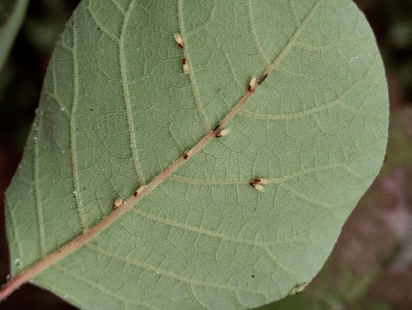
<point x="252" y="84"/>
<point x="257" y="184"/>
<point x="185" y="66"/>
<point x="118" y="202"/>
<point x="179" y="40"/>
<point x="259" y="187"/>
<point x="224" y="132"/>
<point x="139" y="190"/>
<point x="190" y="152"/>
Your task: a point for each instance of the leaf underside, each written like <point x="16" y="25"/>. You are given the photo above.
<point x="116" y="110"/>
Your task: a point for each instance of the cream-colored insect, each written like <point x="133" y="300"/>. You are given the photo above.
<point x="259" y="187"/>
<point x="179" y="40"/>
<point x="139" y="190"/>
<point x="298" y="289"/>
<point x="222" y="133"/>
<point x="185" y="66"/>
<point x="118" y="202"/>
<point x="188" y="154"/>
<point x="252" y="83"/>
<point x="257" y="184"/>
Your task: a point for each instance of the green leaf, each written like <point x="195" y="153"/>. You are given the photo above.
<point x="117" y="112"/>
<point x="12" y="14"/>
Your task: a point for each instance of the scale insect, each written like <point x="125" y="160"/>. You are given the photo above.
<point x="258" y="184"/>
<point x="298" y="289"/>
<point x="222" y="133"/>
<point x="188" y="154"/>
<point x="252" y="83"/>
<point x="185" y="66"/>
<point x="117" y="203"/>
<point x="179" y="40"/>
<point x="259" y="187"/>
<point x="139" y="190"/>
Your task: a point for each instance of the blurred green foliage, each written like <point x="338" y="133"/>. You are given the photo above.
<point x="6" y="8"/>
<point x="22" y="76"/>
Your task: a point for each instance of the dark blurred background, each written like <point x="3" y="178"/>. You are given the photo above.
<point x="21" y="82"/>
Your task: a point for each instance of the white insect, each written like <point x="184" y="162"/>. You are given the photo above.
<point x="139" y="190"/>
<point x="190" y="152"/>
<point x="257" y="184"/>
<point x="298" y="289"/>
<point x="252" y="84"/>
<point x="223" y="132"/>
<point x="118" y="202"/>
<point x="179" y="40"/>
<point x="259" y="187"/>
<point x="185" y="66"/>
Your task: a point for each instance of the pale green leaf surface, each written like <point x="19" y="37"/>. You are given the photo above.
<point x="12" y="13"/>
<point x="116" y="110"/>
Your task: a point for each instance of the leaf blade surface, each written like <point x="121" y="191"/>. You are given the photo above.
<point x="117" y="110"/>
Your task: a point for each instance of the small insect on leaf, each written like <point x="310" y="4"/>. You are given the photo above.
<point x="259" y="187"/>
<point x="179" y="40"/>
<point x="252" y="83"/>
<point x="139" y="190"/>
<point x="118" y="202"/>
<point x="185" y="66"/>
<point x="298" y="289"/>
<point x="188" y="154"/>
<point x="222" y="133"/>
<point x="257" y="184"/>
